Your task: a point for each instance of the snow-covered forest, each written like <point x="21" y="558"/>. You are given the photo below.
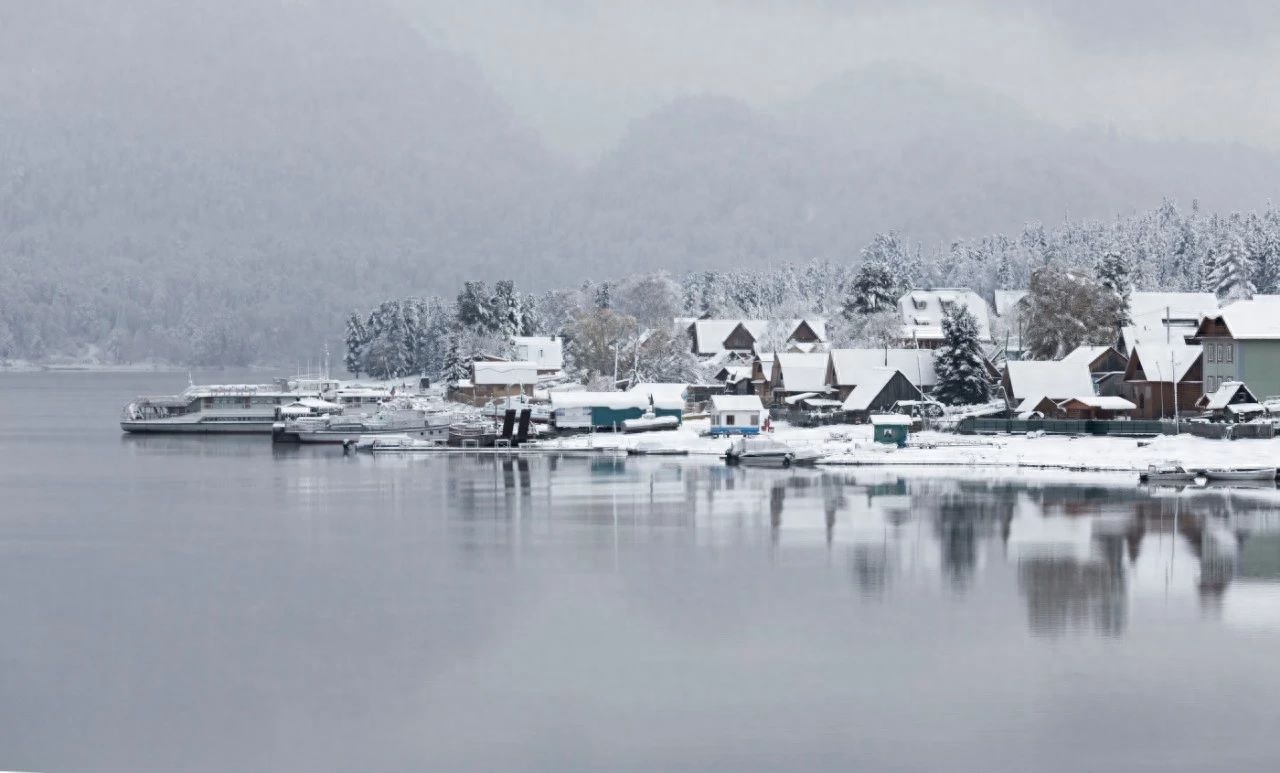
<point x="1167" y="248"/>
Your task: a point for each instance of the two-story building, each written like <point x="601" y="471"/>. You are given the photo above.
<point x="922" y="312"/>
<point x="1241" y="342"/>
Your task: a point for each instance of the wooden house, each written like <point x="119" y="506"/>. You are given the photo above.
<point x="795" y="373"/>
<point x="880" y="389"/>
<point x="1164" y="379"/>
<point x="847" y="368"/>
<point x="1241" y="342"/>
<point x="1232" y="401"/>
<point x="1095" y="407"/>
<point x="1106" y="366"/>
<point x="497" y="378"/>
<point x="922" y="312"/>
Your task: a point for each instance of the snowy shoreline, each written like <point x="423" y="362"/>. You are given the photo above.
<point x="855" y="448"/>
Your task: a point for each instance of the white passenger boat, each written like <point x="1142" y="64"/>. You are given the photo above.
<point x="766" y="451"/>
<point x="399" y="418"/>
<point x="218" y="408"/>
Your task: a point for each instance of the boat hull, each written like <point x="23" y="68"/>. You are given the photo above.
<point x="1258" y="475"/>
<point x="263" y="427"/>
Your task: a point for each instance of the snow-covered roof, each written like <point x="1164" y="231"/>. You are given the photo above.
<point x="735" y="403"/>
<point x="710" y="334"/>
<point x="504" y="373"/>
<point x="1159" y="308"/>
<point x="1086" y="354"/>
<point x="1007" y="300"/>
<point x="1254" y="319"/>
<point x="1057" y="380"/>
<point x="547" y="352"/>
<point x="735" y="373"/>
<point x="803" y="372"/>
<point x="1161" y="361"/>
<point x="793" y="399"/>
<point x="873" y="382"/>
<point x="1221" y="397"/>
<point x="915" y="364"/>
<point x="890" y="420"/>
<point x="1154" y="332"/>
<point x="1102" y="402"/>
<point x="662" y="389"/>
<point x="615" y="400"/>
<point x="922" y="312"/>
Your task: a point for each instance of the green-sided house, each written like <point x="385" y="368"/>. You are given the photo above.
<point x="1242" y="343"/>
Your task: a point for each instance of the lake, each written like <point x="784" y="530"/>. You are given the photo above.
<point x="214" y="604"/>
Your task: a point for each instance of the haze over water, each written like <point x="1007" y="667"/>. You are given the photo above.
<point x="220" y="604"/>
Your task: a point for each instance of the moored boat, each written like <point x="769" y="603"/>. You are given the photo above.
<point x="651" y="448"/>
<point x="765" y="451"/>
<point x="219" y="408"/>
<point x="1168" y="473"/>
<point x="1259" y="474"/>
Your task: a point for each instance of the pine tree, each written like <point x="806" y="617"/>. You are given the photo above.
<point x="1233" y="270"/>
<point x="475" y="307"/>
<point x="960" y="364"/>
<point x="357" y="339"/>
<point x="872" y="291"/>
<point x="1114" y="273"/>
<point x="455" y="367"/>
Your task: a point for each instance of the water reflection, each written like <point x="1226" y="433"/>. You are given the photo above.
<point x="1081" y="555"/>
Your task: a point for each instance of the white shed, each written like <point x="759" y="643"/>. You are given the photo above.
<point x="736" y="414"/>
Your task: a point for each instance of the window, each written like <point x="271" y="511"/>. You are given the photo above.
<point x="1231" y="352"/>
<point x="729" y="419"/>
<point x="1213" y="352"/>
<point x="755" y="419"/>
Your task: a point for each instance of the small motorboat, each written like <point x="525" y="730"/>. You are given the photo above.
<point x="1168" y="473"/>
<point x="1259" y="474"/>
<point x="650" y="448"/>
<point x="650" y="423"/>
<point x="765" y="451"/>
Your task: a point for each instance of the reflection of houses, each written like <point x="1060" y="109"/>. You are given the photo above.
<point x="1160" y="377"/>
<point x="1242" y="343"/>
<point x="922" y="312"/>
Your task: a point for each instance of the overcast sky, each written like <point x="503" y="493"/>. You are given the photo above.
<point x="580" y="70"/>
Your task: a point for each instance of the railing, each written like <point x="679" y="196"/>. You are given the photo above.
<point x="1130" y="428"/>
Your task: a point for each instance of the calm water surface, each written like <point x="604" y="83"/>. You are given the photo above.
<point x="215" y="604"/>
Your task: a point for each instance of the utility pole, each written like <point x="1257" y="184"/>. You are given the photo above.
<point x="1173" y="367"/>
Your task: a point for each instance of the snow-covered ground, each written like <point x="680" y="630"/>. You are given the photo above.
<point x="852" y="445"/>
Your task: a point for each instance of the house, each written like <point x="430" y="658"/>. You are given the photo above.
<point x="1161" y="318"/>
<point x="1164" y="380"/>
<point x="1027" y="383"/>
<point x="922" y="312"/>
<point x="1094" y="407"/>
<point x="545" y="352"/>
<point x="847" y="367"/>
<point x="736" y="414"/>
<point x="581" y="410"/>
<point x="498" y="378"/>
<point x="880" y="389"/>
<point x="736" y="379"/>
<point x="891" y="429"/>
<point x="1106" y="365"/>
<point x="795" y="373"/>
<point x="739" y="337"/>
<point x="1241" y="342"/>
<point x="1230" y="402"/>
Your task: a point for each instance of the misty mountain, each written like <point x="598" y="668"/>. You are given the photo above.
<point x="223" y="180"/>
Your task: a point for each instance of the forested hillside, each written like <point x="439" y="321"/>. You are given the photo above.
<point x="223" y="181"/>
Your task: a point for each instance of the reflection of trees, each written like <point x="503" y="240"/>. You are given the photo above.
<point x="1063" y="593"/>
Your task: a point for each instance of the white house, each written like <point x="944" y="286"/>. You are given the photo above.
<point x="922" y="312"/>
<point x="502" y="378"/>
<point x="743" y="414"/>
<point x="545" y="352"/>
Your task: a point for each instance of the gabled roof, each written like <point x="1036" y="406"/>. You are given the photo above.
<point x="1163" y="362"/>
<point x="873" y="383"/>
<point x="1101" y="402"/>
<point x="1223" y="396"/>
<point x="710" y="334"/>
<point x="736" y="403"/>
<point x="1007" y="301"/>
<point x="803" y="372"/>
<point x="504" y="373"/>
<point x="850" y="365"/>
<point x="1157" y="309"/>
<point x="1058" y="379"/>
<point x="1256" y="319"/>
<point x="922" y="312"/>
<point x="1086" y="354"/>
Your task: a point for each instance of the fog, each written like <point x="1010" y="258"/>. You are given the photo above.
<point x="581" y="71"/>
<point x="247" y="172"/>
